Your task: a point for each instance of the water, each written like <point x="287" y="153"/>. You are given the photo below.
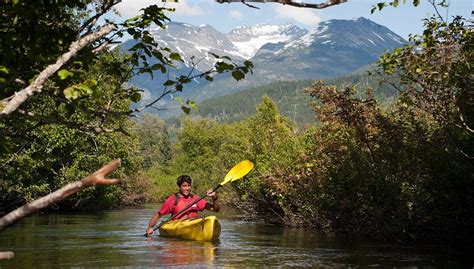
<point x="115" y="239"/>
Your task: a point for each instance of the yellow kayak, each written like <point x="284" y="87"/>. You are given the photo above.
<point x="201" y="229"/>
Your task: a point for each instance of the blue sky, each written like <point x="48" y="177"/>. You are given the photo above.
<point x="403" y="20"/>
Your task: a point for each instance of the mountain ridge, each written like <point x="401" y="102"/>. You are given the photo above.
<point x="333" y="48"/>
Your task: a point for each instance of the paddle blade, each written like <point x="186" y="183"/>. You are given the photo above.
<point x="238" y="171"/>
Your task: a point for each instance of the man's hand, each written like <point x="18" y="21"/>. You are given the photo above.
<point x="212" y="194"/>
<point x="149" y="231"/>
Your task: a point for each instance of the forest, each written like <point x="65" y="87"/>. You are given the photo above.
<point x="290" y="96"/>
<point x="382" y="154"/>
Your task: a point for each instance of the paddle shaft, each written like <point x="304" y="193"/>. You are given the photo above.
<point x="184" y="209"/>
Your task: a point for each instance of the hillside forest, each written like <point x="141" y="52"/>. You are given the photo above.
<point x="385" y="154"/>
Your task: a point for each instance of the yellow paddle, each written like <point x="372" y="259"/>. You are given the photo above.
<point x="237" y="172"/>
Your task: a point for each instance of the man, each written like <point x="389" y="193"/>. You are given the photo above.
<point x="180" y="200"/>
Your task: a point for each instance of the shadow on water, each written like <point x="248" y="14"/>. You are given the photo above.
<point x="115" y="239"/>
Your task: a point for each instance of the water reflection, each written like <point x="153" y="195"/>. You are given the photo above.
<point x="169" y="251"/>
<point x="115" y="239"/>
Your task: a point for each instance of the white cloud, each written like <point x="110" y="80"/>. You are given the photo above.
<point x="185" y="9"/>
<point x="131" y="8"/>
<point x="236" y="14"/>
<point x="301" y="15"/>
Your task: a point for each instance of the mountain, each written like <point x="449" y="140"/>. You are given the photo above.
<point x="279" y="53"/>
<point x="240" y="44"/>
<point x="249" y="39"/>
<point x="196" y="41"/>
<point x="333" y="48"/>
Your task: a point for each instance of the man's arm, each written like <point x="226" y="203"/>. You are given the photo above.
<point x="152" y="223"/>
<point x="214" y="206"/>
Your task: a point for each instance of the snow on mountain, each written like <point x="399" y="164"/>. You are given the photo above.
<point x="195" y="43"/>
<point x="358" y="33"/>
<point x="278" y="52"/>
<point x="249" y="39"/>
<point x="333" y="48"/>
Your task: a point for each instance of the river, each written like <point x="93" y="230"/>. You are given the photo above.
<point x="115" y="239"/>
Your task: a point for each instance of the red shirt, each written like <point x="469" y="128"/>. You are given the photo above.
<point x="192" y="212"/>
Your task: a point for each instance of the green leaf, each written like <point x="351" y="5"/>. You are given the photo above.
<point x="64" y="74"/>
<point x="158" y="67"/>
<point x="169" y="83"/>
<point x="70" y="93"/>
<point x="84" y="89"/>
<point x="209" y="78"/>
<point x="379" y="6"/>
<point x="136" y="18"/>
<point x="3" y="69"/>
<point x="135" y="97"/>
<point x="176" y="56"/>
<point x="191" y="103"/>
<point x="186" y="109"/>
<point x="184" y="79"/>
<point x="222" y="67"/>
<point x="91" y="84"/>
<point x="238" y="75"/>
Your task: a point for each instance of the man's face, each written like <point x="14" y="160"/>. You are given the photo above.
<point x="185" y="189"/>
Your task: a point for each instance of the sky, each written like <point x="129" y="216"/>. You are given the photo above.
<point x="403" y="20"/>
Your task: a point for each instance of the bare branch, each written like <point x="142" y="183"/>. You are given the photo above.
<point x="326" y="4"/>
<point x="107" y="5"/>
<point x="97" y="178"/>
<point x="101" y="47"/>
<point x="6" y="255"/>
<point x="19" y="97"/>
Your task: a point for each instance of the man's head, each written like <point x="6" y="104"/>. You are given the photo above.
<point x="184" y="183"/>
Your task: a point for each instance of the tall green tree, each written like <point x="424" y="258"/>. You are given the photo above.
<point x="50" y="155"/>
<point x="155" y="141"/>
<point x="436" y="78"/>
<point x="274" y="144"/>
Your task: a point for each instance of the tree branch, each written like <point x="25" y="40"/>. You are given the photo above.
<point x="104" y="9"/>
<point x="6" y="255"/>
<point x="20" y="97"/>
<point x="326" y="4"/>
<point x="97" y="178"/>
